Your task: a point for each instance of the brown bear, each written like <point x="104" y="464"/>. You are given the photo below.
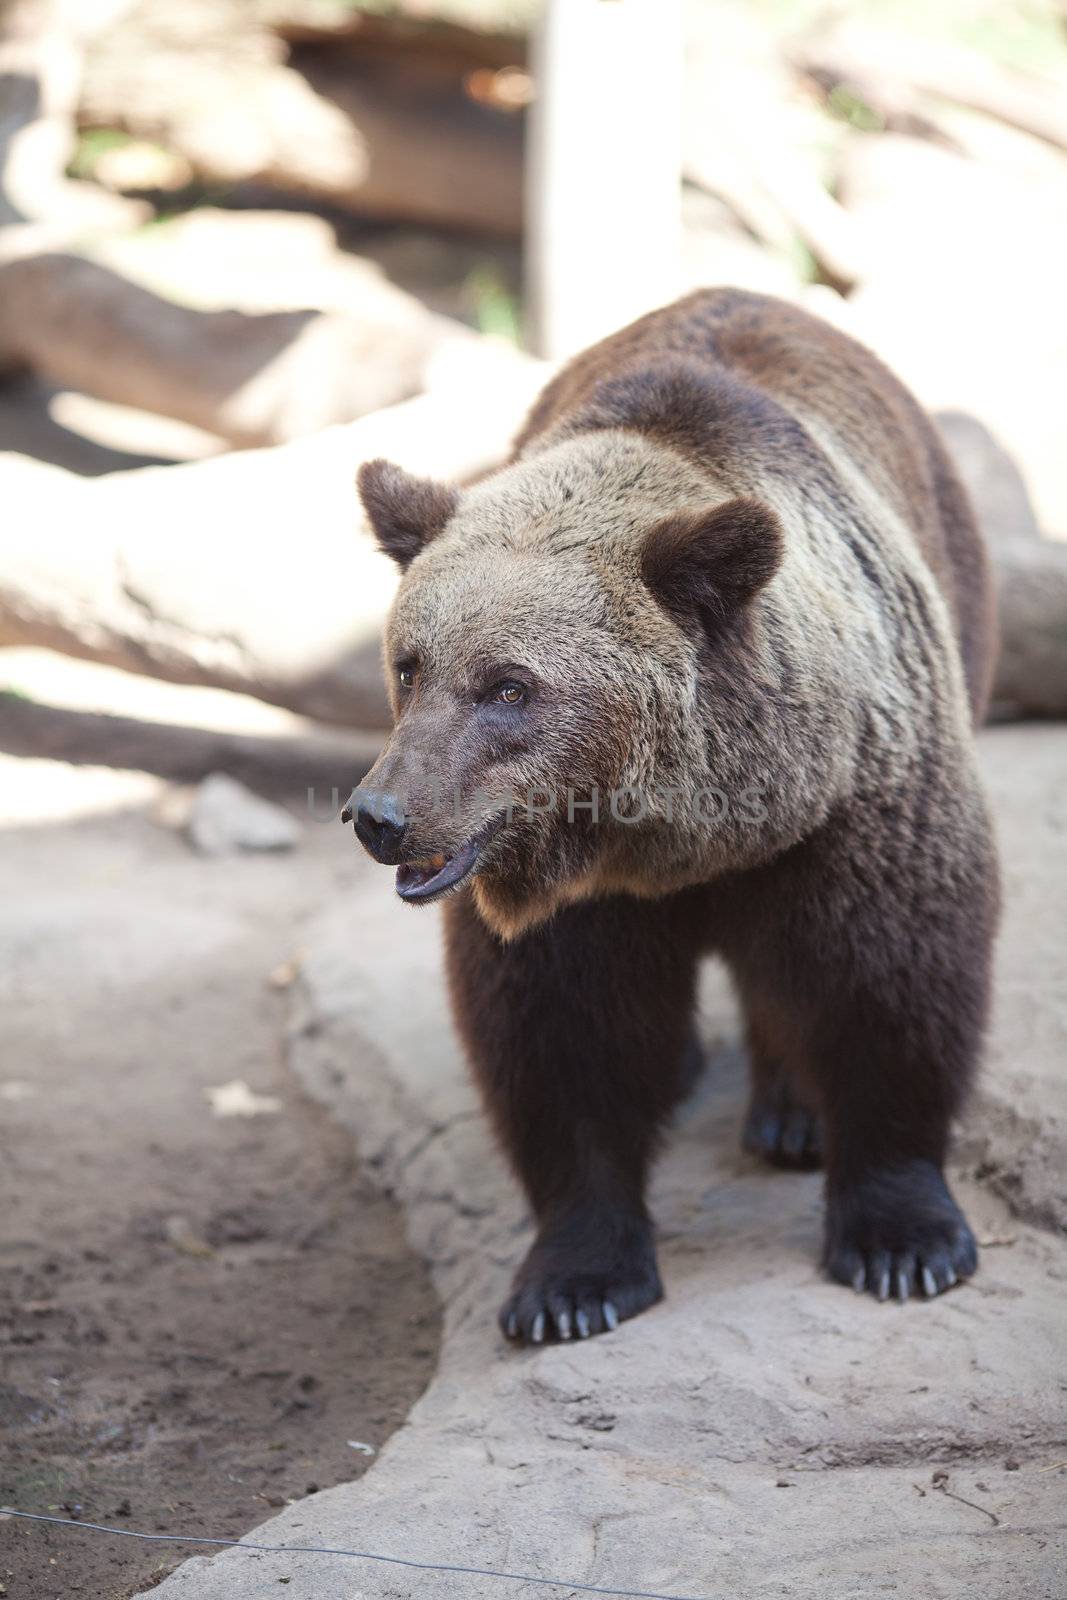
<point x="698" y="670"/>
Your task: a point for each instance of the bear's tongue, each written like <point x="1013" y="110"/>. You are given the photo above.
<point x="417" y="881"/>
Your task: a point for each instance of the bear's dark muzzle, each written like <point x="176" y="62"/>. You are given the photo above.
<point x="380" y="823"/>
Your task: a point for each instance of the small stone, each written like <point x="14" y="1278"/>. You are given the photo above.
<point x="226" y="818"/>
<point x="599" y="1421"/>
<point x="285" y="974"/>
<point x="237" y="1099"/>
<point x="180" y="1233"/>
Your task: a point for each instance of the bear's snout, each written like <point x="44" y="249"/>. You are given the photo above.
<point x="380" y="823"/>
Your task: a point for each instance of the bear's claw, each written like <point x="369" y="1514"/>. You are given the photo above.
<point x="539" y="1313"/>
<point x="901" y="1275"/>
<point x="899" y="1233"/>
<point x="783" y="1133"/>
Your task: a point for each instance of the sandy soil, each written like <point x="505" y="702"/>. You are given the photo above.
<point x="199" y="1314"/>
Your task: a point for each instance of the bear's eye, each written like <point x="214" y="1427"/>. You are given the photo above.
<point x="509" y="694"/>
<point x="406" y="676"/>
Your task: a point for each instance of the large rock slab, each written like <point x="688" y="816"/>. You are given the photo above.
<point x="1018" y="1131"/>
<point x="760" y="1433"/>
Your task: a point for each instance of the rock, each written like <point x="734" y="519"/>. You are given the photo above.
<point x="179" y="1232"/>
<point x="237" y="1099"/>
<point x="991" y="478"/>
<point x="225" y="817"/>
<point x="1031" y="574"/>
<point x="1031" y="677"/>
<point x="1016" y="1134"/>
<point x="754" y="1371"/>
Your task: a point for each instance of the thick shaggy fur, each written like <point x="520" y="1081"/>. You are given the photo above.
<point x="729" y="554"/>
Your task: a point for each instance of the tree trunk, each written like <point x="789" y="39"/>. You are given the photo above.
<point x="603" y="192"/>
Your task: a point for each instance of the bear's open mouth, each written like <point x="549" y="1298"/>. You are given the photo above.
<point x="421" y="881"/>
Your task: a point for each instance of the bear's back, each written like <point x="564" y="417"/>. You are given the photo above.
<point x="786" y="392"/>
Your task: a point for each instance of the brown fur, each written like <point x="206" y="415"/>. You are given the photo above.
<point x="817" y="375"/>
<point x="729" y="552"/>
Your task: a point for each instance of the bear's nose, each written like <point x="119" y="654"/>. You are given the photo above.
<point x="380" y="823"/>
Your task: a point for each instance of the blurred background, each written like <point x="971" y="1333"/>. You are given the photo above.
<point x="233" y="223"/>
<point x="244" y="245"/>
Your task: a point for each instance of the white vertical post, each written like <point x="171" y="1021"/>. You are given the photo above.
<point x="603" y="177"/>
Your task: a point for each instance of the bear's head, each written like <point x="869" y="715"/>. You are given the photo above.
<point x="544" y="659"/>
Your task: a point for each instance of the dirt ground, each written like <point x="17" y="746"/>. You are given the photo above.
<point x="202" y="1315"/>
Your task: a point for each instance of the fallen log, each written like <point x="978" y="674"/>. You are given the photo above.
<point x="434" y="155"/>
<point x="252" y="379"/>
<point x="444" y="34"/>
<point x="255" y="572"/>
<point x="741" y="144"/>
<point x="323" y="770"/>
<point x="887" y="67"/>
<point x="213" y="82"/>
<point x="251" y="571"/>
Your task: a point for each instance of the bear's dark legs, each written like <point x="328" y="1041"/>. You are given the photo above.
<point x="780" y="1125"/>
<point x="879" y="954"/>
<point x="894" y="1056"/>
<point x="892" y="1226"/>
<point x="578" y="1035"/>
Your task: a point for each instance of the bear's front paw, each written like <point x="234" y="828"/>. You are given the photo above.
<point x="898" y="1231"/>
<point x="562" y="1294"/>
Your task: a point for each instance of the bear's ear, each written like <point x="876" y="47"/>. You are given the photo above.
<point x="710" y="564"/>
<point x="405" y="512"/>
